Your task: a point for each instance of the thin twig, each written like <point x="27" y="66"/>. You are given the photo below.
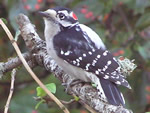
<point x="47" y="99"/>
<point x="13" y="74"/>
<point x="68" y="102"/>
<point x="29" y="69"/>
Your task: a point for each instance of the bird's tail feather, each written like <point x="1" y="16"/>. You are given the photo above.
<point x="114" y="96"/>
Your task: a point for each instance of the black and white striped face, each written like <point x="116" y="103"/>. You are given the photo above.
<point x="62" y="16"/>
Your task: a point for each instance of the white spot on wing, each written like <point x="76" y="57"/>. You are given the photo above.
<point x="90" y="52"/>
<point x="106" y="77"/>
<point x="98" y="56"/>
<point x="118" y="82"/>
<point x="106" y="66"/>
<point x="114" y="59"/>
<point x="117" y="76"/>
<point x="74" y="62"/>
<point x="80" y="58"/>
<point x="99" y="70"/>
<point x="84" y="55"/>
<point x="109" y="62"/>
<point x="94" y="62"/>
<point x="96" y="72"/>
<point x="78" y="64"/>
<point x="123" y="80"/>
<point x="112" y="77"/>
<point x="67" y="53"/>
<point x="114" y="73"/>
<point x="105" y="53"/>
<point x="87" y="66"/>
<point x="61" y="52"/>
<point x="77" y="60"/>
<point x="104" y="69"/>
<point x="93" y="50"/>
<point x="118" y="69"/>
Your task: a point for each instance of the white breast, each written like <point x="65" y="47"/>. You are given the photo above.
<point x="75" y="72"/>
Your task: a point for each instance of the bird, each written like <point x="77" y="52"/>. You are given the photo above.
<point x="81" y="53"/>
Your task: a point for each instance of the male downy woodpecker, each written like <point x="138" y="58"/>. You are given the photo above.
<point x="80" y="52"/>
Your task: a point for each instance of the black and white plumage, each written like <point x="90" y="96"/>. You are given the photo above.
<point x="80" y="52"/>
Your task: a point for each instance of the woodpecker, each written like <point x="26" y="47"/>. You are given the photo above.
<point x="80" y="52"/>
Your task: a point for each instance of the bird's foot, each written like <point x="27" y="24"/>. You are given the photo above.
<point x="71" y="83"/>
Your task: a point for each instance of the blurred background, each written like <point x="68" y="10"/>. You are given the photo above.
<point x="123" y="25"/>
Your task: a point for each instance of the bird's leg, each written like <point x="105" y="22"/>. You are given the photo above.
<point x="72" y="83"/>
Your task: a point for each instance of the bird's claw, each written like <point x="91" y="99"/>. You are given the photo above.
<point x="71" y="83"/>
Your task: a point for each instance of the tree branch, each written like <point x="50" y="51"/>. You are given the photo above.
<point x="13" y="74"/>
<point x="14" y="62"/>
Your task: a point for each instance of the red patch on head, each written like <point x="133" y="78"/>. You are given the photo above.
<point x="74" y="16"/>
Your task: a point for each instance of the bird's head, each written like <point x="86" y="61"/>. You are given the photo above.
<point x="61" y="16"/>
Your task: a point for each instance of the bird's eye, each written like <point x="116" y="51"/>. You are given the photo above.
<point x="61" y="16"/>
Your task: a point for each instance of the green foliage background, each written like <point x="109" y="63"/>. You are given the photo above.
<point x="123" y="25"/>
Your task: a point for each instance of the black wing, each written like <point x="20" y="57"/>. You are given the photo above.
<point x="78" y="52"/>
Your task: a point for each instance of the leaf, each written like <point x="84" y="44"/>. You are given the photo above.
<point x="143" y="21"/>
<point x="76" y="98"/>
<point x="23" y="101"/>
<point x="51" y="87"/>
<point x="17" y="35"/>
<point x="39" y="103"/>
<point x="94" y="85"/>
<point x="4" y="20"/>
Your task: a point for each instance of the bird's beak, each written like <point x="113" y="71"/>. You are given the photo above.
<point x="48" y="13"/>
<point x="43" y="14"/>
